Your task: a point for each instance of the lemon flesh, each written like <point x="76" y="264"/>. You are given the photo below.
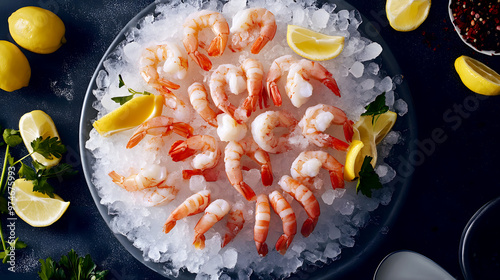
<point x="15" y="70"/>
<point x="407" y="15"/>
<point x="36" y="209"/>
<point x="313" y="45"/>
<point x="37" y="30"/>
<point x="477" y="77"/>
<point x="130" y="114"/>
<point x="383" y="124"/>
<point x="350" y="170"/>
<point x="33" y="125"/>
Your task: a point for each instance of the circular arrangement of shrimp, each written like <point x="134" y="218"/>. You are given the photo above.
<point x="232" y="119"/>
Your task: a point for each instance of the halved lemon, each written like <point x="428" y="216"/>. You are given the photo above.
<point x="33" y="125"/>
<point x="350" y="172"/>
<point x="477" y="77"/>
<point x="407" y="15"/>
<point x="130" y="114"/>
<point x="313" y="45"/>
<point x="36" y="209"/>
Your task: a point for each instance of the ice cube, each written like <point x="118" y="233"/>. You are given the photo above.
<point x="385" y="85"/>
<point x="332" y="250"/>
<point x="373" y="68"/>
<point x="328" y="197"/>
<point x="357" y="69"/>
<point x="367" y="84"/>
<point x="320" y="18"/>
<point x="370" y="52"/>
<point x="334" y="233"/>
<point x="401" y="107"/>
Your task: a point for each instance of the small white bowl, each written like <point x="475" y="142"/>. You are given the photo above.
<point x="450" y="12"/>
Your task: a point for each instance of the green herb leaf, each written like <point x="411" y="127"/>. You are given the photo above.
<point x="368" y="178"/>
<point x="377" y="107"/>
<point x="49" y="147"/>
<point x="71" y="267"/>
<point x="122" y="99"/>
<point x="27" y="172"/>
<point x="12" y="137"/>
<point x="18" y="244"/>
<point x="121" y="83"/>
<point x="41" y="185"/>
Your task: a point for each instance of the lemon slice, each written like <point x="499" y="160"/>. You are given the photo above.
<point x="130" y="114"/>
<point x="477" y="77"/>
<point x="350" y="160"/>
<point x="407" y="15"/>
<point x="33" y="125"/>
<point x="36" y="209"/>
<point x="383" y="124"/>
<point x="363" y="131"/>
<point x="313" y="45"/>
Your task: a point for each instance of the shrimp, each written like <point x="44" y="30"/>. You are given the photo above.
<point x="226" y="74"/>
<point x="149" y="177"/>
<point x="261" y="228"/>
<point x="262" y="131"/>
<point x="279" y="66"/>
<point x="318" y="118"/>
<point x="159" y="195"/>
<point x="193" y="24"/>
<point x="198" y="98"/>
<point x="245" y="24"/>
<point x="307" y="165"/>
<point x="254" y="72"/>
<point x="234" y="224"/>
<point x="205" y="146"/>
<point x="285" y="211"/>
<point x="298" y="87"/>
<point x="159" y="126"/>
<point x="232" y="158"/>
<point x="306" y="198"/>
<point x="193" y="205"/>
<point x="214" y="212"/>
<point x="175" y="64"/>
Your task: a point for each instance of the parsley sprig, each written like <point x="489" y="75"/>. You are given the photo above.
<point x="368" y="178"/>
<point x="124" y="99"/>
<point x="71" y="267"/>
<point x="376" y="108"/>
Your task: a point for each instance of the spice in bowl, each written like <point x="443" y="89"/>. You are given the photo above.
<point x="478" y="22"/>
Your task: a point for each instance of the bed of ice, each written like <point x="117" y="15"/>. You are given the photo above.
<point x="343" y="212"/>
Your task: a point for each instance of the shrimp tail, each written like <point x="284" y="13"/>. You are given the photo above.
<point x="227" y="238"/>
<point x="337" y="179"/>
<point x="180" y="151"/>
<point x="202" y="60"/>
<point x="283" y="243"/>
<point x="135" y="139"/>
<point x="182" y="129"/>
<point x="275" y="94"/>
<point x="261" y="248"/>
<point x="330" y="82"/>
<point x="246" y="191"/>
<point x="169" y="225"/>
<point x="199" y="241"/>
<point x="259" y="44"/>
<point x="348" y="130"/>
<point x="336" y="143"/>
<point x="308" y="226"/>
<point x="217" y="45"/>
<point x="168" y="84"/>
<point x="266" y="175"/>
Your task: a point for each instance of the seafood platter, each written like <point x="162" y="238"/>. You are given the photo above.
<point x="238" y="171"/>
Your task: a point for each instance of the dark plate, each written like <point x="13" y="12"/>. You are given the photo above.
<point x="381" y="219"/>
<point x="479" y="252"/>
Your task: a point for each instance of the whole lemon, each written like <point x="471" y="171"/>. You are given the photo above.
<point x="37" y="30"/>
<point x="15" y="70"/>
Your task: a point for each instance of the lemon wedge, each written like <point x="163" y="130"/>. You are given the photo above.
<point x="363" y="131"/>
<point x="36" y="209"/>
<point x="407" y="15"/>
<point x="383" y="124"/>
<point x="350" y="172"/>
<point x="130" y="114"/>
<point x="313" y="45"/>
<point x="33" y="125"/>
<point x="477" y="77"/>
